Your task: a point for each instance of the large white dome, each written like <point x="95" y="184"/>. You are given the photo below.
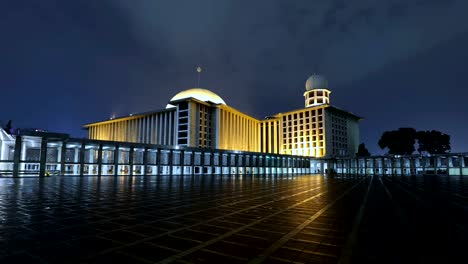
<point x="316" y="82"/>
<point x="199" y="94"/>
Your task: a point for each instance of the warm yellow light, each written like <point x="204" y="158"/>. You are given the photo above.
<point x="199" y="94"/>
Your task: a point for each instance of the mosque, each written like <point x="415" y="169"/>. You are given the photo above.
<point x="202" y="119"/>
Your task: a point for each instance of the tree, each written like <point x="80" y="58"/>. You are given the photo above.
<point x="399" y="142"/>
<point x="362" y="151"/>
<point x="8" y="127"/>
<point x="433" y="142"/>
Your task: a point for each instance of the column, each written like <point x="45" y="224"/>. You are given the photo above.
<point x="213" y="169"/>
<point x="170" y="161"/>
<point x="410" y="166"/>
<point x="99" y="160"/>
<point x="422" y="162"/>
<point x="383" y="166"/>
<point x="235" y="162"/>
<point x="244" y="161"/>
<point x="192" y="162"/>
<point x="145" y="160"/>
<point x="461" y="163"/>
<point x="392" y="160"/>
<point x="182" y="162"/>
<point x="130" y="161"/>
<point x="202" y="162"/>
<point x="43" y="158"/>
<point x="82" y="158"/>
<point x="402" y="165"/>
<point x="63" y="150"/>
<point x="116" y="160"/>
<point x="220" y="158"/>
<point x="158" y="161"/>
<point x="17" y="156"/>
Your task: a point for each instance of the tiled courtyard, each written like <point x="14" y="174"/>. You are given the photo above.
<point x="234" y="219"/>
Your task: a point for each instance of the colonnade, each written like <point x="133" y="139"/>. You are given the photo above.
<point x="443" y="164"/>
<point x="43" y="156"/>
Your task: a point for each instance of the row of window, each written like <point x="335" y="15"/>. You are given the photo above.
<point x="317" y="93"/>
<point x="303" y="128"/>
<point x="303" y="120"/>
<point x="301" y="139"/>
<point x="317" y="101"/>
<point x="205" y="127"/>
<point x="303" y="145"/>
<point x="339" y="139"/>
<point x="303" y="133"/>
<point x="295" y="116"/>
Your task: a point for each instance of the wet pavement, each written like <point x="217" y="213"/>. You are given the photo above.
<point x="234" y="219"/>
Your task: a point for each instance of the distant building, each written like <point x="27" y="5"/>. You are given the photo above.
<point x="19" y="131"/>
<point x="200" y="118"/>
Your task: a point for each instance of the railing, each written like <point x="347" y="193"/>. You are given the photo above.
<point x="48" y="155"/>
<point x="441" y="164"/>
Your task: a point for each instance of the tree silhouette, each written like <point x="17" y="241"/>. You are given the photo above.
<point x="362" y="151"/>
<point x="8" y="127"/>
<point x="399" y="142"/>
<point x="433" y="142"/>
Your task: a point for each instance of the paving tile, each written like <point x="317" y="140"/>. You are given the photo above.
<point x="234" y="249"/>
<point x="195" y="235"/>
<point x="20" y="258"/>
<point x="175" y="243"/>
<point x="123" y="236"/>
<point x="115" y="257"/>
<point x="149" y="218"/>
<point x="148" y="252"/>
<point x="205" y="256"/>
<point x="90" y="246"/>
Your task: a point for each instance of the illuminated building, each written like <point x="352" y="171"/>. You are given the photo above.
<point x="200" y="118"/>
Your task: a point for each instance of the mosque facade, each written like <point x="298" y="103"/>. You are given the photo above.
<point x="202" y="119"/>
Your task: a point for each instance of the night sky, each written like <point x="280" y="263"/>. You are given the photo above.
<point x="397" y="63"/>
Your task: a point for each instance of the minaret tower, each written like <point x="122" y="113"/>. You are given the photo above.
<point x="317" y="92"/>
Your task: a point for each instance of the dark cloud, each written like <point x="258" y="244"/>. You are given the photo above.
<point x="82" y="61"/>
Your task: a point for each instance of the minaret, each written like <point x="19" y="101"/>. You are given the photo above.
<point x="317" y="92"/>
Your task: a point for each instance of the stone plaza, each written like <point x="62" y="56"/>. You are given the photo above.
<point x="281" y="218"/>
